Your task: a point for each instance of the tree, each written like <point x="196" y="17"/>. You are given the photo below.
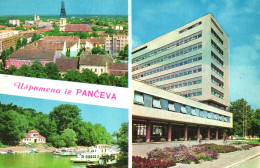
<point x="124" y="53"/>
<point x="18" y="44"/>
<point x="51" y="71"/>
<point x="73" y="75"/>
<point x="11" y="70"/>
<point x="36" y="70"/>
<point x="69" y="137"/>
<point x="237" y="108"/>
<point x="123" y="138"/>
<point x="3" y="57"/>
<point x="22" y="71"/>
<point x="98" y="50"/>
<point x="255" y="123"/>
<point x="123" y="81"/>
<point x="24" y="42"/>
<point x="65" y="116"/>
<point x="11" y="49"/>
<point x="88" y="76"/>
<point x="12" y="126"/>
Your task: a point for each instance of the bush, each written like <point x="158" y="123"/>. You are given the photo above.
<point x="140" y="162"/>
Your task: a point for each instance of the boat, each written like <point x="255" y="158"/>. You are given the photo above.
<point x="95" y="154"/>
<point x="11" y="151"/>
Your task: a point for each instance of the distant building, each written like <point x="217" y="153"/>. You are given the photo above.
<point x="8" y="39"/>
<point x="28" y="56"/>
<point x="63" y="19"/>
<point x="92" y="42"/>
<point x="14" y="22"/>
<point x="29" y="22"/>
<point x="29" y="26"/>
<point x="71" y="27"/>
<point x="117" y="69"/>
<point x="96" y="63"/>
<point x="72" y="43"/>
<point x="115" y="43"/>
<point x="103" y="33"/>
<point x="66" y="64"/>
<point x="28" y="37"/>
<point x="45" y="24"/>
<point x="77" y="28"/>
<point x="33" y="137"/>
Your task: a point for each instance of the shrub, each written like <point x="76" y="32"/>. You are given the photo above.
<point x="140" y="162"/>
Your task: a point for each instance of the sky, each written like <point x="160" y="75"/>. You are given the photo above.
<point x="52" y="7"/>
<point x="109" y="117"/>
<point x="240" y="19"/>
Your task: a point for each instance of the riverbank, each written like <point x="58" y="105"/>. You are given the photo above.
<point x="22" y="149"/>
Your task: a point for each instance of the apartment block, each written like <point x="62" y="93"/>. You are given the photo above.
<point x="192" y="61"/>
<point x="8" y="39"/>
<point x="116" y="43"/>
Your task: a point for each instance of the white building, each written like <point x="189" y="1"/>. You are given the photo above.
<point x="33" y="137"/>
<point x="14" y="22"/>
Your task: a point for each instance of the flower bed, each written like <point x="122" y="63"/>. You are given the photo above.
<point x="218" y="148"/>
<point x="169" y="156"/>
<point x="140" y="162"/>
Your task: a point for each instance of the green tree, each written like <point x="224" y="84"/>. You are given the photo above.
<point x="12" y="126"/>
<point x="36" y="70"/>
<point x="98" y="50"/>
<point x="22" y="71"/>
<point x="11" y="70"/>
<point x="11" y="49"/>
<point x="65" y="116"/>
<point x="255" y="123"/>
<point x="3" y="57"/>
<point x="24" y="42"/>
<point x="124" y="53"/>
<point x="69" y="137"/>
<point x="73" y="75"/>
<point x="123" y="81"/>
<point x="18" y="44"/>
<point x="123" y="138"/>
<point x="88" y="76"/>
<point x="52" y="71"/>
<point x="237" y="108"/>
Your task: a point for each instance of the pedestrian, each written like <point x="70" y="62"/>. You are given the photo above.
<point x="200" y="138"/>
<point x="225" y="139"/>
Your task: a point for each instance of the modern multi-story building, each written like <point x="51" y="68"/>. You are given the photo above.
<point x="183" y="83"/>
<point x="8" y="39"/>
<point x="116" y="43"/>
<point x="192" y="60"/>
<point x="14" y="22"/>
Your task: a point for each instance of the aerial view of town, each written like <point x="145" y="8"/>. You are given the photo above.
<point x="80" y="48"/>
<point x="66" y="134"/>
<point x="77" y="41"/>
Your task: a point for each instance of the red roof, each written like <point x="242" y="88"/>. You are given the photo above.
<point x="44" y="29"/>
<point x="29" y="136"/>
<point x="77" y="28"/>
<point x="33" y="131"/>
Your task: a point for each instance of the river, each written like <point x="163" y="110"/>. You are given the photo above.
<point x="37" y="160"/>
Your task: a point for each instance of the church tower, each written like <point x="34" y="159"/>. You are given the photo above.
<point x="62" y="17"/>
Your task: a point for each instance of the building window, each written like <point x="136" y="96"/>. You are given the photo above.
<point x="138" y="98"/>
<point x="171" y="107"/>
<point x="201" y="113"/>
<point x="183" y="109"/>
<point x="156" y="103"/>
<point x="209" y="115"/>
<point x="193" y="111"/>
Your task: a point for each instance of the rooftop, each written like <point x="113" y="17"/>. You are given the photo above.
<point x="97" y="60"/>
<point x="66" y="64"/>
<point x="77" y="28"/>
<point x="32" y="54"/>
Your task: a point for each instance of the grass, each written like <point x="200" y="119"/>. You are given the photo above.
<point x="250" y="141"/>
